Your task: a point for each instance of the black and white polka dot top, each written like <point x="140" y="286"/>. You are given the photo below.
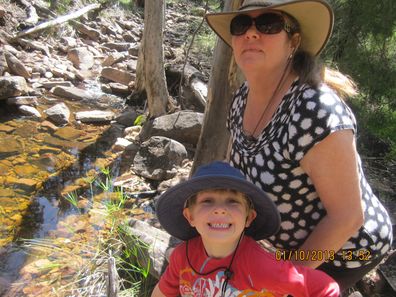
<point x="304" y="117"/>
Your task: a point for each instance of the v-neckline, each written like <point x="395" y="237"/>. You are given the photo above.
<point x="272" y="120"/>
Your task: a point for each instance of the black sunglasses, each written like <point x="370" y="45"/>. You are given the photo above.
<point x="266" y="23"/>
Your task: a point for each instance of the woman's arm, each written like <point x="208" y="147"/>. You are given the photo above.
<point x="332" y="167"/>
<point x="157" y="292"/>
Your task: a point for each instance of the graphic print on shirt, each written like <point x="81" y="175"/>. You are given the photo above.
<point x="207" y="287"/>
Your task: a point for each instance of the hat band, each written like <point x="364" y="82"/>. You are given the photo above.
<point x="255" y="5"/>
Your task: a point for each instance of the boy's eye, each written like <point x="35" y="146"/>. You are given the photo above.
<point x="206" y="200"/>
<point x="233" y="201"/>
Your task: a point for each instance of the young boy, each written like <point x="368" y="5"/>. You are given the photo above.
<point x="219" y="215"/>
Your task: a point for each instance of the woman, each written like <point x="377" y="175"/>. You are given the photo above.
<point x="293" y="136"/>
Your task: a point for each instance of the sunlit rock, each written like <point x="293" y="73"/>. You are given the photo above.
<point x="10" y="146"/>
<point x="11" y="86"/>
<point x="68" y="133"/>
<point x="16" y="66"/>
<point x="183" y="126"/>
<point x="158" y="157"/>
<point x="23" y="100"/>
<point x="81" y="58"/>
<point x="71" y="93"/>
<point x="113" y="58"/>
<point x="27" y="185"/>
<point x="94" y="116"/>
<point x="58" y="113"/>
<point x="29" y="111"/>
<point x="116" y="75"/>
<point x="26" y="170"/>
<point x="6" y="128"/>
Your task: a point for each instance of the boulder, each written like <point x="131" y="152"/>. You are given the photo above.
<point x="118" y="76"/>
<point x="81" y="58"/>
<point x="29" y="111"/>
<point x="12" y="86"/>
<point x="23" y="100"/>
<point x="94" y="116"/>
<point x="183" y="126"/>
<point x="16" y="66"/>
<point x="127" y="118"/>
<point x="114" y="58"/>
<point x="59" y="113"/>
<point x="158" y="158"/>
<point x="71" y="93"/>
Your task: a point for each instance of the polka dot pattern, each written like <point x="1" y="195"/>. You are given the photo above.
<point x="304" y="117"/>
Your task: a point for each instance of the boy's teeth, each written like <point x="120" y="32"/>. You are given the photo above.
<point x="217" y="225"/>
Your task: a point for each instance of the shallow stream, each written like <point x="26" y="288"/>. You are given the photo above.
<point x="39" y="165"/>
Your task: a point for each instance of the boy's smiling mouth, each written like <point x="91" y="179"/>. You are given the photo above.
<point x="219" y="225"/>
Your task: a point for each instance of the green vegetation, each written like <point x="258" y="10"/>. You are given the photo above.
<point x="363" y="46"/>
<point x="140" y="120"/>
<point x="72" y="198"/>
<point x="115" y="242"/>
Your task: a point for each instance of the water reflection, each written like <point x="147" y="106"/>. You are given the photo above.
<point x="38" y="165"/>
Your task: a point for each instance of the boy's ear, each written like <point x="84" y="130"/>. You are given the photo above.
<point x="188" y="216"/>
<point x="250" y="217"/>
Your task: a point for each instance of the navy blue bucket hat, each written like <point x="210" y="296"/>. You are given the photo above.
<point x="216" y="175"/>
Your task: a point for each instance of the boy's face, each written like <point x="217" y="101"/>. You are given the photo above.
<point x="219" y="215"/>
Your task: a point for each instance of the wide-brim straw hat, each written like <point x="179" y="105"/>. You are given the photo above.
<point x="216" y="175"/>
<point x="315" y="18"/>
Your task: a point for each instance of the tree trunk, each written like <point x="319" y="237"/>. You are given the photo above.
<point x="53" y="4"/>
<point x="214" y="138"/>
<point x="150" y="74"/>
<point x="140" y="3"/>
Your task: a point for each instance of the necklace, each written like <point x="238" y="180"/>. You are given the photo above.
<point x="251" y="136"/>
<point x="227" y="270"/>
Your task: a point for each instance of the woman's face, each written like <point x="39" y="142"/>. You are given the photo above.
<point x="256" y="51"/>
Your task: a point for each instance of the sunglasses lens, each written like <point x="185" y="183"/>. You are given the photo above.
<point x="240" y="24"/>
<point x="270" y="23"/>
<point x="267" y="23"/>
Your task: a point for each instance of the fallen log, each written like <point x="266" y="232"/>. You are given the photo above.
<point x="82" y="28"/>
<point x="58" y="20"/>
<point x="112" y="279"/>
<point x="158" y="242"/>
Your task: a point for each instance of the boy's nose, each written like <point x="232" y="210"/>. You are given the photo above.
<point x="220" y="209"/>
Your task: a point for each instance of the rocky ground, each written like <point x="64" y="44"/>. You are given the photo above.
<point x="92" y="60"/>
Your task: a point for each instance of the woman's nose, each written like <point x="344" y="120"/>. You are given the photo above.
<point x="252" y="32"/>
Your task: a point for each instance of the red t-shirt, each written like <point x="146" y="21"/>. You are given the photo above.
<point x="256" y="272"/>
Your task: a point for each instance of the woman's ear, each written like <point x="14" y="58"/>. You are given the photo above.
<point x="188" y="216"/>
<point x="295" y="42"/>
<point x="250" y="217"/>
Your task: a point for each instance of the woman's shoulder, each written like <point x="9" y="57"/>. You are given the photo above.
<point x="320" y="101"/>
<point x="321" y="94"/>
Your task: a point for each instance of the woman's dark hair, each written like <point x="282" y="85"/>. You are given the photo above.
<point x="307" y="68"/>
<point x="311" y="72"/>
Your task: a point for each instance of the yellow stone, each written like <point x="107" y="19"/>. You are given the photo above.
<point x="26" y="170"/>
